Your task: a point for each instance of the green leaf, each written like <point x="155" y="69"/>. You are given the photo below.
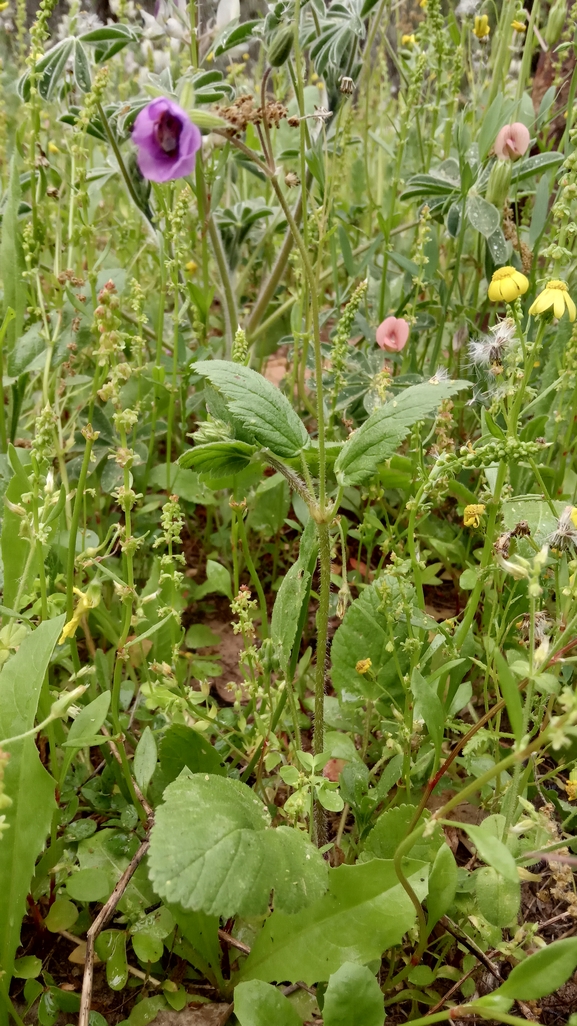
<point x="145" y="1011"/>
<point x="285" y="615"/>
<point x="19" y="570"/>
<point x="201" y="636"/>
<point x="510" y="692"/>
<point x="26" y="781"/>
<point x="490" y="126"/>
<point x="353" y="998"/>
<point x="81" y="68"/>
<point x="61" y="915"/>
<point x="217" y="580"/>
<point x="111" y="850"/>
<point x="498" y="247"/>
<point x="540" y="210"/>
<point x="380" y="436"/>
<point x="535" y="165"/>
<point x="498" y="897"/>
<point x="146" y="947"/>
<point x="364" y="912"/>
<point x="184" y="483"/>
<point x="365" y="634"/>
<point x="89" y="885"/>
<point x="542" y="973"/>
<point x="88" y="722"/>
<point x="260" y="407"/>
<point x="483" y="216"/>
<point x="12" y="260"/>
<point x="392" y="827"/>
<point x="535" y="511"/>
<point x="182" y="746"/>
<point x="27" y="968"/>
<point x="218" y="459"/>
<point x="211" y="849"/>
<point x="442" y="884"/>
<point x="145" y="755"/>
<point x="429" y="706"/>
<point x="234" y="35"/>
<point x="271" y="505"/>
<point x="493" y="851"/>
<point x="259" y="1004"/>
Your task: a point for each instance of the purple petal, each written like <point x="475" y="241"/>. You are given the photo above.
<point x="154" y="163"/>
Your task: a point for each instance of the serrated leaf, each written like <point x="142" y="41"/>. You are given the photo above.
<point x="26" y="781"/>
<point x="380" y="435"/>
<point x="259" y="1004"/>
<point x="364" y="912"/>
<point x="218" y="459"/>
<point x="212" y="849"/>
<point x="353" y="998"/>
<point x="260" y="407"/>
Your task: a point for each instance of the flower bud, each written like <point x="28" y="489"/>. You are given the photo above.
<point x="499" y="182"/>
<point x="280" y="47"/>
<point x="556" y="22"/>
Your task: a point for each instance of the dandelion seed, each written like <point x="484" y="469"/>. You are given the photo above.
<point x="564" y="537"/>
<point x="490" y="348"/>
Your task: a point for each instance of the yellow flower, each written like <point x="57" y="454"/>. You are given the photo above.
<point x="555" y="295"/>
<point x="507" y="284"/>
<point x="519" y="26"/>
<point x="52" y="148"/>
<point x="423" y="3"/>
<point x="573" y="515"/>
<point x="191" y="267"/>
<point x="363" y="666"/>
<point x="472" y="515"/>
<point x="481" y="28"/>
<point x="571" y="789"/>
<point x="86" y="601"/>
<point x="4" y="5"/>
<point x="408" y="40"/>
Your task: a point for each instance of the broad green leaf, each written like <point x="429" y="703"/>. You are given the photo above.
<point x="542" y="973"/>
<point x="365" y="633"/>
<point x="258" y="1004"/>
<point x="12" y="261"/>
<point x="201" y="636"/>
<point x="111" y="850"/>
<point x="26" y="781"/>
<point x="218" y="459"/>
<point x="380" y="436"/>
<point x="88" y="722"/>
<point x="535" y="511"/>
<point x="535" y="165"/>
<point x="353" y="998"/>
<point x="82" y="68"/>
<point x="212" y="850"/>
<point x="260" y="407"/>
<point x="490" y="126"/>
<point x="498" y="896"/>
<point x="19" y="567"/>
<point x="498" y="246"/>
<point x="182" y="746"/>
<point x="442" y="884"/>
<point x="145" y="758"/>
<point x="145" y="1011"/>
<point x="493" y="851"/>
<point x="392" y="827"/>
<point x="61" y="915"/>
<point x="510" y="692"/>
<point x="217" y="580"/>
<point x="89" y="885"/>
<point x="483" y="216"/>
<point x="285" y="615"/>
<point x="201" y="932"/>
<point x="270" y="505"/>
<point x="27" y="968"/>
<point x="146" y="947"/>
<point x="429" y="706"/>
<point x="364" y="912"/>
<point x="184" y="483"/>
<point x="111" y="948"/>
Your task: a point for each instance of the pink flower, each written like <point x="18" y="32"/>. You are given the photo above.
<point x="512" y="141"/>
<point x="392" y="334"/>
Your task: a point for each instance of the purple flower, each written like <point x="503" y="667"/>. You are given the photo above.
<point x="167" y="141"/>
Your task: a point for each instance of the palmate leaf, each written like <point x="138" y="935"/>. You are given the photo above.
<point x="212" y="850"/>
<point x="364" y="912"/>
<point x="259" y="406"/>
<point x="380" y="435"/>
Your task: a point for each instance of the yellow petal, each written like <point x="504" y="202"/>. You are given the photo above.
<point x="493" y="292"/>
<point x="521" y="282"/>
<point x="509" y="290"/>
<point x="572" y="309"/>
<point x="559" y="305"/>
<point x="541" y="304"/>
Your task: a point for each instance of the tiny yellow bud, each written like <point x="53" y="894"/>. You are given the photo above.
<point x="191" y="267"/>
<point x="408" y="40"/>
<point x="314" y="77"/>
<point x="245" y="56"/>
<point x="52" y="148"/>
<point x="481" y="28"/>
<point x="363" y="666"/>
<point x="519" y="26"/>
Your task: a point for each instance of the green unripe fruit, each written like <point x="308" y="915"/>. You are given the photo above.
<point x="280" y="47"/>
<point x="556" y="22"/>
<point x="499" y="182"/>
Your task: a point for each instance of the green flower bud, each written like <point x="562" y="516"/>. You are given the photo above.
<point x="280" y="47"/>
<point x="556" y="22"/>
<point x="499" y="182"/>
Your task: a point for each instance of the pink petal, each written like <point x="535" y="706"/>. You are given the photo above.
<point x="392" y="334"/>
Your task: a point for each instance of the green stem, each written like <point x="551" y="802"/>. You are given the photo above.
<point x="231" y="314"/>
<point x="116" y="150"/>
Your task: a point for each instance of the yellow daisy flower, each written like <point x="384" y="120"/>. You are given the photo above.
<point x="507" y="284"/>
<point x="408" y="40"/>
<point x="472" y="514"/>
<point x="519" y="26"/>
<point x="555" y="295"/>
<point x="481" y="28"/>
